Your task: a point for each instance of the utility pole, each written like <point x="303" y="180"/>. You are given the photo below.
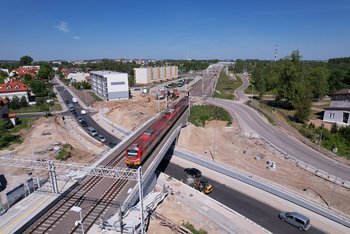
<point x="139" y="181"/>
<point x="335" y="181"/>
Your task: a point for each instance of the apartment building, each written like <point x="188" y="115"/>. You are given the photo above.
<point x="155" y="74"/>
<point x="110" y="85"/>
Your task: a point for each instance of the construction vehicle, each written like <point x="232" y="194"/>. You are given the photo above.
<point x="202" y="185"/>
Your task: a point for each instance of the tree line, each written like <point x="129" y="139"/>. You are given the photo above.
<point x="296" y="83"/>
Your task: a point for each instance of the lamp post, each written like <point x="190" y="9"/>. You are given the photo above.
<point x="79" y="222"/>
<point x="335" y="181"/>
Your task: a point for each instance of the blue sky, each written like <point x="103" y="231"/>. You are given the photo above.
<point x="89" y="29"/>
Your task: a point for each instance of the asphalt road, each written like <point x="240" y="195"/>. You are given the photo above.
<point x="66" y="96"/>
<point x="251" y="121"/>
<point x="261" y="213"/>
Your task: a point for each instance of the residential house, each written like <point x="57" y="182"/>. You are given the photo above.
<point x="339" y="110"/>
<point x="30" y="70"/>
<point x="78" y="76"/>
<point x="14" y="88"/>
<point x="4" y="111"/>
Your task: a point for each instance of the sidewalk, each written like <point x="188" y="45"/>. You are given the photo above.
<point x="29" y="207"/>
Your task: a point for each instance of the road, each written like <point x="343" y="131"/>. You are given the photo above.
<point x="251" y="122"/>
<point x="66" y="96"/>
<point x="261" y="213"/>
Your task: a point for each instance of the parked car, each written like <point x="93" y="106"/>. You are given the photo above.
<point x="101" y="138"/>
<point x="92" y="131"/>
<point x="80" y="119"/>
<point x="75" y="114"/>
<point x="83" y="123"/>
<point x="193" y="172"/>
<point x="83" y="112"/>
<point x="298" y="220"/>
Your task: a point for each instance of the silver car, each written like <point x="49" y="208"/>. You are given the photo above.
<point x="298" y="220"/>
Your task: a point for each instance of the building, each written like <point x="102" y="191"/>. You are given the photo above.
<point x="4" y="108"/>
<point x="28" y="70"/>
<point x="155" y="74"/>
<point x="14" y="88"/>
<point x="77" y="77"/>
<point x="110" y="85"/>
<point x="4" y="112"/>
<point x="339" y="110"/>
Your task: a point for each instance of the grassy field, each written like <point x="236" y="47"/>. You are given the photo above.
<point x="9" y="135"/>
<point x="201" y="114"/>
<point x="226" y="87"/>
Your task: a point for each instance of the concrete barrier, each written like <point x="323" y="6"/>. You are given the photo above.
<point x="277" y="191"/>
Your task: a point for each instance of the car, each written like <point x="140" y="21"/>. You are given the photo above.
<point x="193" y="172"/>
<point x="83" y="112"/>
<point x="75" y="114"/>
<point x="101" y="138"/>
<point x="66" y="101"/>
<point x="80" y="119"/>
<point x="294" y="218"/>
<point x="92" y="131"/>
<point x="83" y="123"/>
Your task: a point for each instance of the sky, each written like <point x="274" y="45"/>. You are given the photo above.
<point x="181" y="29"/>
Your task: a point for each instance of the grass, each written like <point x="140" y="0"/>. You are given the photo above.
<point x="9" y="135"/>
<point x="190" y="227"/>
<point x="226" y="87"/>
<point x="96" y="98"/>
<point x="263" y="109"/>
<point x="201" y="114"/>
<point x="65" y="152"/>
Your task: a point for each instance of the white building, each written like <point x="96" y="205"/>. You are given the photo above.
<point x="339" y="111"/>
<point x="155" y="74"/>
<point x="77" y="77"/>
<point x="110" y="85"/>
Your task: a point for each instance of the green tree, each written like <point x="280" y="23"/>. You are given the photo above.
<point x="25" y="60"/>
<point x="319" y="81"/>
<point x="15" y="103"/>
<point x="45" y="72"/>
<point x="23" y="102"/>
<point x="39" y="88"/>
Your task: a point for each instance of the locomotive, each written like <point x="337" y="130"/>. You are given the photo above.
<point x="142" y="146"/>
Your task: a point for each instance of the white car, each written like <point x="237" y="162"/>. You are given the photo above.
<point x="101" y="138"/>
<point x="83" y="112"/>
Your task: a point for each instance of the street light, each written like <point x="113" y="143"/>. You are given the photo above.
<point x="79" y="222"/>
<point x="335" y="181"/>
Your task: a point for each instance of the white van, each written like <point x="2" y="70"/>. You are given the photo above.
<point x="92" y="131"/>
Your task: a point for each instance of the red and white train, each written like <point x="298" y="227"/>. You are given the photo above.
<point x="141" y="147"/>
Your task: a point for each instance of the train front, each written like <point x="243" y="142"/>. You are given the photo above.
<point x="133" y="156"/>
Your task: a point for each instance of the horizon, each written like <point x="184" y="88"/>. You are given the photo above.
<point x="81" y="30"/>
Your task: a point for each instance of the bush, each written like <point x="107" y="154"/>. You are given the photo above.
<point x="201" y="114"/>
<point x="7" y="138"/>
<point x="190" y="227"/>
<point x="65" y="152"/>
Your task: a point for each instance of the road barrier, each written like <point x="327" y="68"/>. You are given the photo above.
<point x="277" y="191"/>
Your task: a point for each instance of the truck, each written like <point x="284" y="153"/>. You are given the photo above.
<point x="203" y="186"/>
<point x="176" y="93"/>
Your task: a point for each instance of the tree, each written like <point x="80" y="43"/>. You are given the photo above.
<point x="25" y="60"/>
<point x="45" y="72"/>
<point x="23" y="102"/>
<point x="319" y="81"/>
<point x="39" y="88"/>
<point x="259" y="80"/>
<point x="15" y="103"/>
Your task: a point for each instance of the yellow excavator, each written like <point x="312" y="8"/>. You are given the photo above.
<point x="202" y="185"/>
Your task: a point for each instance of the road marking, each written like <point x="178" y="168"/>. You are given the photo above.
<point x="25" y="215"/>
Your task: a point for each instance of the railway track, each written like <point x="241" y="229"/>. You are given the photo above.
<point x="88" y="197"/>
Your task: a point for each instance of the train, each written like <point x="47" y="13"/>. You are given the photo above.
<point x="138" y="151"/>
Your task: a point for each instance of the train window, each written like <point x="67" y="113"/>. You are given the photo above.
<point x="149" y="131"/>
<point x="132" y="153"/>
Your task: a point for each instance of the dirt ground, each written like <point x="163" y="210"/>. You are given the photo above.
<point x="215" y="141"/>
<point x="227" y="145"/>
<point x="38" y="144"/>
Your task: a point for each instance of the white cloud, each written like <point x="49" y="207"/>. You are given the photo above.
<point x="62" y="26"/>
<point x="76" y="37"/>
